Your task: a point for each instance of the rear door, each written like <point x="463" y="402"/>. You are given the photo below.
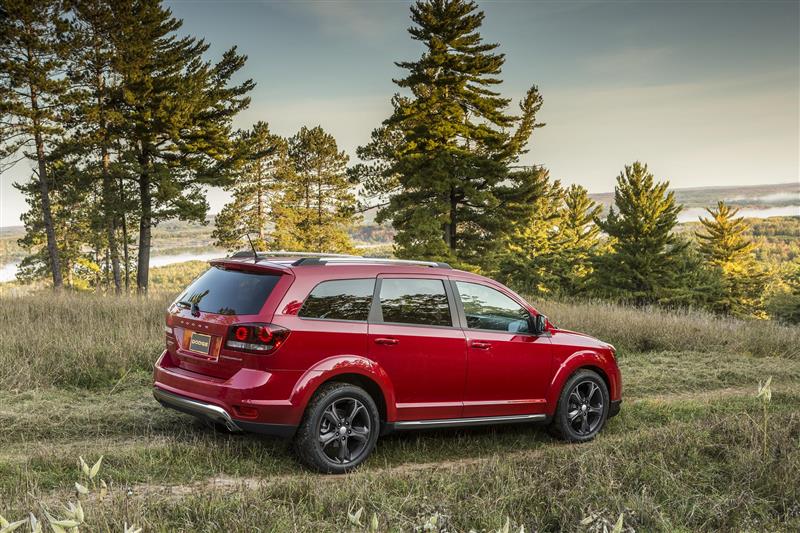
<point x="414" y="336"/>
<point x="508" y="368"/>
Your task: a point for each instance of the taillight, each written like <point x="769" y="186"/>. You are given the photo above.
<point x="256" y="338"/>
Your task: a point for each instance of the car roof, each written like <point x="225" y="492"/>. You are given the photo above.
<point x="333" y="265"/>
<point x="341" y="267"/>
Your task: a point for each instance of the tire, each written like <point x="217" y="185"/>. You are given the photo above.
<point x="582" y="408"/>
<point x="339" y="429"/>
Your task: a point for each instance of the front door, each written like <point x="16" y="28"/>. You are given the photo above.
<point x="414" y="337"/>
<point x="508" y="368"/>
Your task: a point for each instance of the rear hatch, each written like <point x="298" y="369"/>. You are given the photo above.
<point x="200" y="320"/>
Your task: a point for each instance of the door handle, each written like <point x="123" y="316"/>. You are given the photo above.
<point x="481" y="345"/>
<point x="386" y="340"/>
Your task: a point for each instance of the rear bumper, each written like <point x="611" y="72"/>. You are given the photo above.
<point x="250" y="400"/>
<point x="216" y="414"/>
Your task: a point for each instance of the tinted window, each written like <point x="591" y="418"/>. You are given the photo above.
<point x="487" y="308"/>
<point x="346" y="299"/>
<point x="415" y="301"/>
<point x="229" y="292"/>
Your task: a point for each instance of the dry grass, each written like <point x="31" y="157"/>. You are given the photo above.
<point x="654" y="329"/>
<point x="685" y="454"/>
<point x="81" y="340"/>
<point x="92" y="340"/>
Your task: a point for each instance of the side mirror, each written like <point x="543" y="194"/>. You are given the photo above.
<point x="539" y="324"/>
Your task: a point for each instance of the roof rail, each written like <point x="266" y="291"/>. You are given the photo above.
<point x="283" y="253"/>
<point x="331" y="259"/>
<point x="321" y="258"/>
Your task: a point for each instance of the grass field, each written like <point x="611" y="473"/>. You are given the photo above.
<point x="690" y="451"/>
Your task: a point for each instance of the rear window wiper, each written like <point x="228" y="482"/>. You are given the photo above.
<point x="190" y="305"/>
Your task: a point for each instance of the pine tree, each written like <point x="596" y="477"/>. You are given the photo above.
<point x="255" y="190"/>
<point x="176" y="111"/>
<point x="72" y="208"/>
<point x="442" y="162"/>
<point x="96" y="113"/>
<point x="32" y="86"/>
<point x="641" y="264"/>
<point x="725" y="247"/>
<point x="784" y="302"/>
<point x="529" y="252"/>
<point x="577" y="240"/>
<point x="317" y="205"/>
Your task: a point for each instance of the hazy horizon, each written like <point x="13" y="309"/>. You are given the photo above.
<point x="708" y="94"/>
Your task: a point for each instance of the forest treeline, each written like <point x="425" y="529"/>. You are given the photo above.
<point x="127" y="123"/>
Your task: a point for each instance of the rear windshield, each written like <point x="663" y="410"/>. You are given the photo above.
<point x="229" y="292"/>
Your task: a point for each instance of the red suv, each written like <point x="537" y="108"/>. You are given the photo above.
<point x="337" y="350"/>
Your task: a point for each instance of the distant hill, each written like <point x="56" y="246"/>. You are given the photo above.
<point x="751" y="196"/>
<point x="176" y="237"/>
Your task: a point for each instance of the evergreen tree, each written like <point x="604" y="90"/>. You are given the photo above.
<point x="528" y="256"/>
<point x="442" y="162"/>
<point x="72" y="209"/>
<point x="317" y="205"/>
<point x="645" y="251"/>
<point x="254" y="190"/>
<point x="176" y="115"/>
<point x="32" y="87"/>
<point x="96" y="113"/>
<point x="726" y="248"/>
<point x="577" y="240"/>
<point x="784" y="302"/>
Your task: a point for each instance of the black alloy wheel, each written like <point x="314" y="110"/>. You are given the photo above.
<point x="344" y="430"/>
<point x="582" y="408"/>
<point x="339" y="429"/>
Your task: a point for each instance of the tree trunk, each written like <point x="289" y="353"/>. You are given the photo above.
<point x="262" y="190"/>
<point x="145" y="223"/>
<point x="126" y="257"/>
<point x="44" y="193"/>
<point x="319" y="210"/>
<point x="108" y="189"/>
<point x="111" y="222"/>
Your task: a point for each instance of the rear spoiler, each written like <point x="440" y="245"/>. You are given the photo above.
<point x="263" y="267"/>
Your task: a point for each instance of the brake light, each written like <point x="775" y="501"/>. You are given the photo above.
<point x="256" y="338"/>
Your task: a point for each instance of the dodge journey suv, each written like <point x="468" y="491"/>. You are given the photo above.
<point x="333" y="351"/>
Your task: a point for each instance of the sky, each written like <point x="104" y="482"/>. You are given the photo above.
<point x="706" y="92"/>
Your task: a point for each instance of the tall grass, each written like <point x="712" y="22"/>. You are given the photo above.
<point x="92" y="340"/>
<point x="81" y="340"/>
<point x="632" y="329"/>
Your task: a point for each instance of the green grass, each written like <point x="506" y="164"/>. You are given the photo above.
<point x="685" y="454"/>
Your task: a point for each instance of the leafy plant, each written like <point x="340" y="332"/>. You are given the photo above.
<point x="73" y="514"/>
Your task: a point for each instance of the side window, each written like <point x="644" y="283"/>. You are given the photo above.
<point x="487" y="308"/>
<point x="415" y="301"/>
<point x="344" y="299"/>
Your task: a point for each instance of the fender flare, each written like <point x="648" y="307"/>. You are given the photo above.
<point x="337" y="365"/>
<point x="580" y="359"/>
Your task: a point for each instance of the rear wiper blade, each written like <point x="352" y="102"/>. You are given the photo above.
<point x="190" y="305"/>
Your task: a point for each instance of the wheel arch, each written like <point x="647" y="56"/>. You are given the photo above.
<point x="589" y="360"/>
<point x="356" y="370"/>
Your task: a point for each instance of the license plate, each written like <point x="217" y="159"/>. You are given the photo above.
<point x="200" y="343"/>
